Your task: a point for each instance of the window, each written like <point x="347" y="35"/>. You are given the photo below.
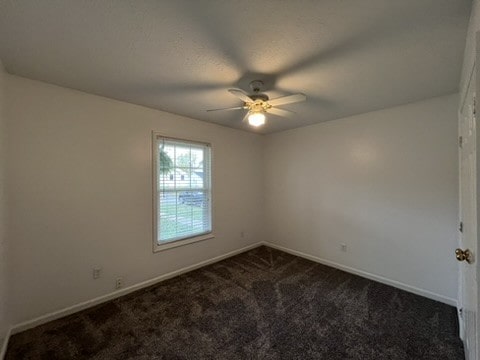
<point x="182" y="190"/>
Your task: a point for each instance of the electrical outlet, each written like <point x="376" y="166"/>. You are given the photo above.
<point x="343" y="247"/>
<point x="119" y="283"/>
<point x="97" y="272"/>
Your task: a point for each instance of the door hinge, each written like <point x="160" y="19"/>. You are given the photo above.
<point x="460" y="227"/>
<point x="460" y="312"/>
<point x="474" y="105"/>
<point x="460" y="141"/>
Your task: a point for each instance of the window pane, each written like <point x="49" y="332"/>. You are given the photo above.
<point x="167" y="218"/>
<point x="182" y="214"/>
<point x="182" y="157"/>
<point x="183" y="190"/>
<point x="197" y="158"/>
<point x="197" y="178"/>
<point x="165" y="158"/>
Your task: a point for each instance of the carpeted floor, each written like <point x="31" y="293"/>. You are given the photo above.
<point x="263" y="304"/>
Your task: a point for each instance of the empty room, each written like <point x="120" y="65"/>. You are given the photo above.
<point x="239" y="179"/>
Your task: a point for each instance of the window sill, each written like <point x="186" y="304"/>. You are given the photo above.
<point x="173" y="244"/>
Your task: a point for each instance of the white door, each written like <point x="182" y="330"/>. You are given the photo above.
<point x="468" y="225"/>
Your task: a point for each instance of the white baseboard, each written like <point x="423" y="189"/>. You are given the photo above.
<point x="101" y="299"/>
<point x="378" y="278"/>
<point x="3" y="349"/>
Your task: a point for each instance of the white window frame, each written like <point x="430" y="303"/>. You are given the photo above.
<point x="190" y="239"/>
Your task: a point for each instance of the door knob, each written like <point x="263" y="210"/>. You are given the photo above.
<point x="464" y="255"/>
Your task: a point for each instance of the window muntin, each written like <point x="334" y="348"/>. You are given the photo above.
<point x="183" y="190"/>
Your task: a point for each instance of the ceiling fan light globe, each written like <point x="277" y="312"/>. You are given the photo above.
<point x="256" y="119"/>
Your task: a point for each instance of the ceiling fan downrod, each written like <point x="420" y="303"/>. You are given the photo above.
<point x="257" y="86"/>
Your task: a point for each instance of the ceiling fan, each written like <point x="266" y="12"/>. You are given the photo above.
<point x="259" y="103"/>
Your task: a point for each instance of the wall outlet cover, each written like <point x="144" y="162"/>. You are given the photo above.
<point x="119" y="283"/>
<point x="97" y="272"/>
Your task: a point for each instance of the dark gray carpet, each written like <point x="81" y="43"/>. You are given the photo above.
<point x="263" y="304"/>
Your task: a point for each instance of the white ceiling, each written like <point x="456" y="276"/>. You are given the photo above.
<point x="347" y="56"/>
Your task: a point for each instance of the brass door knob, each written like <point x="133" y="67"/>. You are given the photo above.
<point x="464" y="255"/>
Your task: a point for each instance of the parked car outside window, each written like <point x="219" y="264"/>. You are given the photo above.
<point x="191" y="198"/>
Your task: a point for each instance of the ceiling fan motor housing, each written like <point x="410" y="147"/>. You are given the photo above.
<point x="263" y="97"/>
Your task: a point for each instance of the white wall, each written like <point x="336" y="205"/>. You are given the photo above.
<point x="383" y="183"/>
<point x="4" y="321"/>
<point x="81" y="194"/>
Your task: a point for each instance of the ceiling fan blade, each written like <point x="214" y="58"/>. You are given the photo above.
<point x="280" y="112"/>
<point x="228" y="109"/>
<point x="288" y="99"/>
<point x="241" y="95"/>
